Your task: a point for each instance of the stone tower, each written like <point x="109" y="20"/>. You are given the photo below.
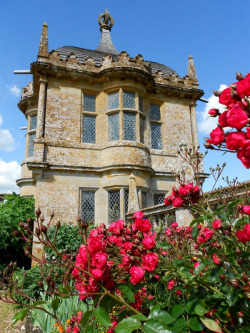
<point x="103" y="129"/>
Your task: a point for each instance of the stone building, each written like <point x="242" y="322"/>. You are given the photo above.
<point x="103" y="129"/>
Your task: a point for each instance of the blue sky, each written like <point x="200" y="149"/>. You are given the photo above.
<point x="216" y="33"/>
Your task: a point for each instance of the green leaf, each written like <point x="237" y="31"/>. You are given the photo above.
<point x="190" y="307"/>
<point x="232" y="298"/>
<point x="195" y="232"/>
<point x="177" y="310"/>
<point x="195" y="324"/>
<point x="200" y="309"/>
<point x="102" y="317"/>
<point x="139" y="317"/>
<point x="179" y="325"/>
<point x="211" y="324"/>
<point x="162" y="316"/>
<point x="55" y="303"/>
<point x="155" y="326"/>
<point x="155" y="307"/>
<point x="20" y="315"/>
<point x="85" y="318"/>
<point x="127" y="292"/>
<point x="127" y="325"/>
<point x="163" y="245"/>
<point x="199" y="268"/>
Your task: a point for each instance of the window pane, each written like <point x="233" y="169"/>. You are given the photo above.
<point x="144" y="199"/>
<point x="126" y="200"/>
<point x="129" y="126"/>
<point x="142" y="129"/>
<point x="128" y="100"/>
<point x="159" y="199"/>
<point x="113" y="127"/>
<point x="88" y="206"/>
<point x="89" y="129"/>
<point x="155" y="113"/>
<point x="113" y="100"/>
<point x="33" y="122"/>
<point x="140" y="103"/>
<point x="114" y="205"/>
<point x="89" y="103"/>
<point x="31" y="144"/>
<point x="156" y="136"/>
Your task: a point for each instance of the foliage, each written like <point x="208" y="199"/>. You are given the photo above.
<point x="14" y="209"/>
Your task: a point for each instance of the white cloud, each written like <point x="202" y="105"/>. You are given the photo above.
<point x="9" y="173"/>
<point x="7" y="142"/>
<point x="206" y="124"/>
<point x="14" y="90"/>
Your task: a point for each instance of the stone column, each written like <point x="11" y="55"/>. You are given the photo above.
<point x="41" y="109"/>
<point x="194" y="125"/>
<point x="133" y="202"/>
<point x="183" y="216"/>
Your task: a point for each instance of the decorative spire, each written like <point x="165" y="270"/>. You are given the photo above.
<point x="191" y="72"/>
<point x="44" y="47"/>
<point x="106" y="22"/>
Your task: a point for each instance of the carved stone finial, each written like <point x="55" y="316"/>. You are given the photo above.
<point x="191" y="71"/>
<point x="105" y="21"/>
<point x="44" y="46"/>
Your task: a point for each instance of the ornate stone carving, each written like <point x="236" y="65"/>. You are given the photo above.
<point x="27" y="91"/>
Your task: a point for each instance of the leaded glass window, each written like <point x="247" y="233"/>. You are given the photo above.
<point x="143" y="199"/>
<point x="89" y="129"/>
<point x="156" y="136"/>
<point x="114" y="128"/>
<point x="33" y="122"/>
<point x="129" y="126"/>
<point x="88" y="206"/>
<point x="142" y="129"/>
<point x="126" y="200"/>
<point x="89" y="103"/>
<point x="140" y="103"/>
<point x="113" y="101"/>
<point x="31" y="144"/>
<point x="159" y="198"/>
<point x="129" y="100"/>
<point x="114" y="205"/>
<point x="155" y="113"/>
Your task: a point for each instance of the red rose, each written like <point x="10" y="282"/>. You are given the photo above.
<point x="148" y="242"/>
<point x="143" y="225"/>
<point x="217" y="136"/>
<point x="246" y="209"/>
<point x="242" y="236"/>
<point x="99" y="260"/>
<point x="248" y="132"/>
<point x="183" y="191"/>
<point x="136" y="274"/>
<point x="243" y="86"/>
<point x="216" y="259"/>
<point x="127" y="246"/>
<point x="150" y="261"/>
<point x="94" y="244"/>
<point x="213" y="112"/>
<point x="201" y="240"/>
<point x="178" y="202"/>
<point x="223" y="119"/>
<point x="244" y="153"/>
<point x="237" y="118"/>
<point x="247" y="230"/>
<point x="226" y="98"/>
<point x="126" y="261"/>
<point x="139" y="214"/>
<point x="174" y="225"/>
<point x="234" y="140"/>
<point x="208" y="234"/>
<point x="171" y="283"/>
<point x="217" y="224"/>
<point x="97" y="274"/>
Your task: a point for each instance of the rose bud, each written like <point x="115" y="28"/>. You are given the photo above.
<point x="42" y="218"/>
<point x="213" y="112"/>
<point x="15" y="233"/>
<point x="44" y="228"/>
<point x="84" y="225"/>
<point x="48" y="279"/>
<point x="217" y="93"/>
<point x="21" y="224"/>
<point x="237" y="251"/>
<point x="240" y="314"/>
<point x="58" y="224"/>
<point x="244" y="277"/>
<point x="79" y="219"/>
<point x="37" y="232"/>
<point x="208" y="146"/>
<point x="239" y="76"/>
<point x="235" y="283"/>
<point x="38" y="212"/>
<point x="29" y="220"/>
<point x="240" y="261"/>
<point x="52" y="215"/>
<point x="52" y="283"/>
<point x="222" y="277"/>
<point x="39" y="283"/>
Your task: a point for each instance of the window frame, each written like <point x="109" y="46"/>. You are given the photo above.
<point x="88" y="190"/>
<point x="88" y="113"/>
<point x="31" y="132"/>
<point x="123" y="203"/>
<point x="155" y="122"/>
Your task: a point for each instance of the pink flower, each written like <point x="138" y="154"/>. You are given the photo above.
<point x="237" y="118"/>
<point x="143" y="225"/>
<point x="223" y="119"/>
<point x="217" y="136"/>
<point x="243" y="87"/>
<point x="200" y="240"/>
<point x="127" y="246"/>
<point x="208" y="234"/>
<point x="148" y="242"/>
<point x="213" y="112"/>
<point x="178" y="202"/>
<point x="196" y="264"/>
<point x="244" y="153"/>
<point x="97" y="274"/>
<point x="183" y="191"/>
<point x="150" y="261"/>
<point x="234" y="140"/>
<point x="174" y="225"/>
<point x="246" y="209"/>
<point x="94" y="244"/>
<point x="171" y="283"/>
<point x="217" y="224"/>
<point x="226" y="98"/>
<point x="139" y="214"/>
<point x="216" y="259"/>
<point x="136" y="274"/>
<point x="168" y="232"/>
<point x="99" y="260"/>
